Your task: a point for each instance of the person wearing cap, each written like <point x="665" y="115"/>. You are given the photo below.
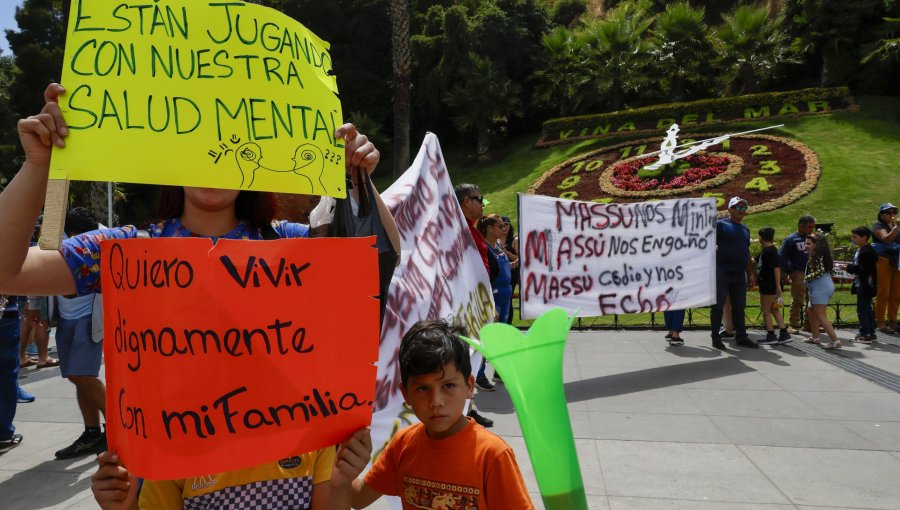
<point x="886" y="242"/>
<point x="733" y="273"/>
<point x="793" y="259"/>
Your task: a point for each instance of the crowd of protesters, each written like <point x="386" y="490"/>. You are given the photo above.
<point x="434" y="362"/>
<point x="431" y="354"/>
<point x="804" y="264"/>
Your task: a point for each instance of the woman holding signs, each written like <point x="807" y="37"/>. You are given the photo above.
<point x="321" y="479"/>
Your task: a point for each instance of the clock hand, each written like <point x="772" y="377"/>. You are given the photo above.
<point x="712" y="141"/>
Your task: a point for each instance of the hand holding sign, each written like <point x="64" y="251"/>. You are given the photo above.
<point x="531" y="366"/>
<point x="360" y="152"/>
<point x="246" y="357"/>
<point x="223" y="95"/>
<point x="352" y="457"/>
<point x="46" y="129"/>
<point x="113" y="486"/>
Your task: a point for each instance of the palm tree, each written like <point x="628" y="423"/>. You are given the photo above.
<point x="681" y="47"/>
<point x="483" y="99"/>
<point x="562" y="79"/>
<point x="751" y="46"/>
<point x="94" y="196"/>
<point x="618" y="53"/>
<point x="885" y="49"/>
<point x="402" y="62"/>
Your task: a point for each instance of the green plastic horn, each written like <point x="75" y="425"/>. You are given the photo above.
<point x="531" y="366"/>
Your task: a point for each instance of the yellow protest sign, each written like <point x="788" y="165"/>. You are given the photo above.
<point x="211" y="94"/>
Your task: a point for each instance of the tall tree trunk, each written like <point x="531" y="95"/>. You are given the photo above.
<point x="100" y="202"/>
<point x="824" y="72"/>
<point x="484" y="143"/>
<point x="678" y="87"/>
<point x="751" y="82"/>
<point x="402" y="59"/>
<point x="618" y="96"/>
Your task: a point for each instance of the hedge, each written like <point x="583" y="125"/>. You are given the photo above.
<point x="838" y="99"/>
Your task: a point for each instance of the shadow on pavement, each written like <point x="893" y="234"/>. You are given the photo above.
<point x="48" y="484"/>
<point x="631" y="382"/>
<point x="654" y="378"/>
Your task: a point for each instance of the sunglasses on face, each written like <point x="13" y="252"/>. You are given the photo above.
<point x="741" y="208"/>
<point x="478" y="198"/>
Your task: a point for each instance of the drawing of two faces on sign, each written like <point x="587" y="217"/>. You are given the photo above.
<point x="308" y="165"/>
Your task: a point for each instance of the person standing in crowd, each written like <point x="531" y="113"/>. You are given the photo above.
<point x="511" y="247"/>
<point x="9" y="372"/>
<point x="79" y="341"/>
<point x="35" y="328"/>
<point x="674" y="325"/>
<point x="821" y="288"/>
<point x="37" y="315"/>
<point x="887" y="244"/>
<point x="494" y="231"/>
<point x="770" y="299"/>
<point x="733" y="273"/>
<point x="472" y="203"/>
<point x="727" y="329"/>
<point x="865" y="282"/>
<point x="323" y="477"/>
<point x="793" y="258"/>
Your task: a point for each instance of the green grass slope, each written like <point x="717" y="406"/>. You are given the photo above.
<point x="859" y="154"/>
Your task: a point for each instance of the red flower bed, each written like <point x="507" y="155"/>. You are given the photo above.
<point x="702" y="167"/>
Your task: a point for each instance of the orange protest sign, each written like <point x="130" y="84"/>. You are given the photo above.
<point x="229" y="356"/>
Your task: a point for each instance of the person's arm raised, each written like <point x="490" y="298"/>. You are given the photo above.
<point x="361" y="153"/>
<point x="22" y="270"/>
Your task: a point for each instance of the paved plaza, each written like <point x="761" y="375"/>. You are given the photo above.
<point x="656" y="427"/>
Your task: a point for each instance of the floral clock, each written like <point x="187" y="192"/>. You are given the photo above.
<point x="768" y="171"/>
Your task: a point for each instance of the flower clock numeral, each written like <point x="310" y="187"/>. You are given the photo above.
<point x="760" y="150"/>
<point x="638" y="150"/>
<point x="720" y="198"/>
<point x="589" y="167"/>
<point x="769" y="167"/>
<point x="758" y="184"/>
<point x="569" y="182"/>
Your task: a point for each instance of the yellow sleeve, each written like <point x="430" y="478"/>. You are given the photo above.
<point x="162" y="495"/>
<point x="324" y="464"/>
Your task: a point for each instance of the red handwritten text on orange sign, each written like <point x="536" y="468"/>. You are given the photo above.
<point x="229" y="356"/>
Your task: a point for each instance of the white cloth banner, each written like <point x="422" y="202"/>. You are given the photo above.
<point x="602" y="259"/>
<point x="441" y="275"/>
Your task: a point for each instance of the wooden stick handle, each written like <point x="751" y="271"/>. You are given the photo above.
<point x="55" y="205"/>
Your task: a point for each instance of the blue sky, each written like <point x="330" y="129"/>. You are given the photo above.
<point x="7" y="20"/>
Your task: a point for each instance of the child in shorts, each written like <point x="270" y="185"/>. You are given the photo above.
<point x="770" y="289"/>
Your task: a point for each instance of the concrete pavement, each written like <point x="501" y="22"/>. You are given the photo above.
<point x="656" y="427"/>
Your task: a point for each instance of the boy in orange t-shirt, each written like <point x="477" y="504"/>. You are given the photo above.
<point x="446" y="461"/>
